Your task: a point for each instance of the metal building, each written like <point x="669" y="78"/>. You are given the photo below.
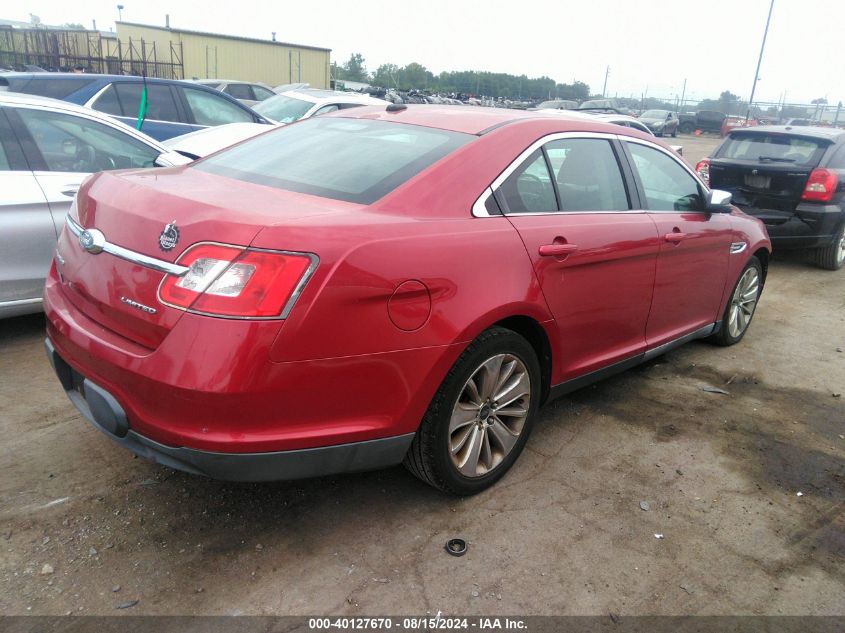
<point x="216" y="56"/>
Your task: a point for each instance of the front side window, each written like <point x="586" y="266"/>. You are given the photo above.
<point x="211" y="109"/>
<point x="326" y="109"/>
<point x="345" y="159"/>
<point x="77" y="144"/>
<point x="667" y="185"/>
<point x="529" y="188"/>
<point x="587" y="175"/>
<point x="283" y="109"/>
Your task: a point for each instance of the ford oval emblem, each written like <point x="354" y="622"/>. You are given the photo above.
<point x="169" y="237"/>
<point x="92" y="241"/>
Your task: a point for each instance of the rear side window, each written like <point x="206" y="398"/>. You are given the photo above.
<point x="239" y="91"/>
<point x="123" y="99"/>
<point x="262" y="93"/>
<point x="345" y="159"/>
<point x="54" y="87"/>
<point x="587" y="174"/>
<point x="584" y="176"/>
<point x="772" y="148"/>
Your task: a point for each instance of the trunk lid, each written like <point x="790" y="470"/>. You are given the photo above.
<point x="134" y="210"/>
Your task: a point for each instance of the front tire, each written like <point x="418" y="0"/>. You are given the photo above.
<point x="832" y="257"/>
<point x="481" y="416"/>
<point x="741" y="306"/>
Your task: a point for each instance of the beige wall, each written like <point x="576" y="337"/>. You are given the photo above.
<point x="216" y="57"/>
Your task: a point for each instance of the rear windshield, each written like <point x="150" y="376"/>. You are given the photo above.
<point x="55" y="87"/>
<point x="355" y="160"/>
<point x="772" y="148"/>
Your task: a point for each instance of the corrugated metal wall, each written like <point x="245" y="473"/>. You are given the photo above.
<point x="220" y="57"/>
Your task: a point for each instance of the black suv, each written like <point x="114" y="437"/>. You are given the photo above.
<point x="791" y="178"/>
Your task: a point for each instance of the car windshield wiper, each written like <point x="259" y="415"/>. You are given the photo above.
<point x="775" y="159"/>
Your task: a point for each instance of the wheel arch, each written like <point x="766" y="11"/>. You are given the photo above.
<point x="532" y="331"/>
<point x="763" y="255"/>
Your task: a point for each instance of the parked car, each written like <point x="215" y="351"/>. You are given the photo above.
<point x="733" y="122"/>
<point x="173" y="107"/>
<point x="47" y="148"/>
<point x="631" y="122"/>
<point x="248" y="93"/>
<point x="203" y="142"/>
<point x="307" y="102"/>
<point x="660" y="122"/>
<point x="385" y="285"/>
<point x="557" y="104"/>
<point x="793" y="179"/>
<point x="604" y="105"/>
<point x="703" y="120"/>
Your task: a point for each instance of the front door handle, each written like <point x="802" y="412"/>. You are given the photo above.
<point x="675" y="237"/>
<point x="557" y="250"/>
<point x="70" y="192"/>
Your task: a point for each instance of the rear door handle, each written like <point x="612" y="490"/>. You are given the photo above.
<point x="557" y="250"/>
<point x="70" y="192"/>
<point x="675" y="237"/>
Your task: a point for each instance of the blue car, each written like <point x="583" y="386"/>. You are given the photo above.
<point x="173" y="107"/>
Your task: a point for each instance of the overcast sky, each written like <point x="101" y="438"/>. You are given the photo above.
<point x="650" y="45"/>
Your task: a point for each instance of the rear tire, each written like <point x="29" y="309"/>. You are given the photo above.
<point x="741" y="307"/>
<point x="458" y="419"/>
<point x="687" y="128"/>
<point x="832" y="257"/>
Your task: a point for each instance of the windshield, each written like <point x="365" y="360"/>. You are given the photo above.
<point x="772" y="148"/>
<point x="654" y="114"/>
<point x="283" y="109"/>
<point x="346" y="159"/>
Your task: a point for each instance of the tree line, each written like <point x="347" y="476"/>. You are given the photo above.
<point x="415" y="76"/>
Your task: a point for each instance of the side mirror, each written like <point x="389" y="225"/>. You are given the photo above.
<point x="718" y="201"/>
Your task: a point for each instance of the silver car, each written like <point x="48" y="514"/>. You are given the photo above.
<point x="47" y="148"/>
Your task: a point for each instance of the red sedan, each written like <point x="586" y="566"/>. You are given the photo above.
<point x="386" y="285"/>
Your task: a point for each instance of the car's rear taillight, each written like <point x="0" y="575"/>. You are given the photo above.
<point x="703" y="170"/>
<point x="821" y="185"/>
<point x="232" y="281"/>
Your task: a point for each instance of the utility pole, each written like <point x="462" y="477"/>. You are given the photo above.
<point x="606" y="73"/>
<point x="683" y="94"/>
<point x="759" y="61"/>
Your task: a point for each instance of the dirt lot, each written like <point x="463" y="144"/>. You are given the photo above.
<point x="85" y="528"/>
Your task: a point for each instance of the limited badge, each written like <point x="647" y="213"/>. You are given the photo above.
<point x="169" y="236"/>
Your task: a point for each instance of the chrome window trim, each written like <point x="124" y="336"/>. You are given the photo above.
<point x="129" y="255"/>
<point x="478" y="209"/>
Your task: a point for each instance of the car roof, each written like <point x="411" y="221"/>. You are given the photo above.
<point x="19" y="99"/>
<point x="208" y="82"/>
<point x="471" y="120"/>
<point x="807" y="131"/>
<point x="317" y="96"/>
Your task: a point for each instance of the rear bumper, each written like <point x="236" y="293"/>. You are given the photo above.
<point x="809" y="226"/>
<point x="102" y="410"/>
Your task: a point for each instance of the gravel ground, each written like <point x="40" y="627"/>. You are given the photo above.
<point x="86" y="528"/>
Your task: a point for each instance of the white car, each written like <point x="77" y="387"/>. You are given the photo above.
<point x="627" y="121"/>
<point x="211" y="139"/>
<point x="248" y="93"/>
<point x="307" y="102"/>
<point x="47" y="148"/>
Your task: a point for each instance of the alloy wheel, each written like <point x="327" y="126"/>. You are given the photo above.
<point x="489" y="415"/>
<point x="743" y="302"/>
<point x="840" y="249"/>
